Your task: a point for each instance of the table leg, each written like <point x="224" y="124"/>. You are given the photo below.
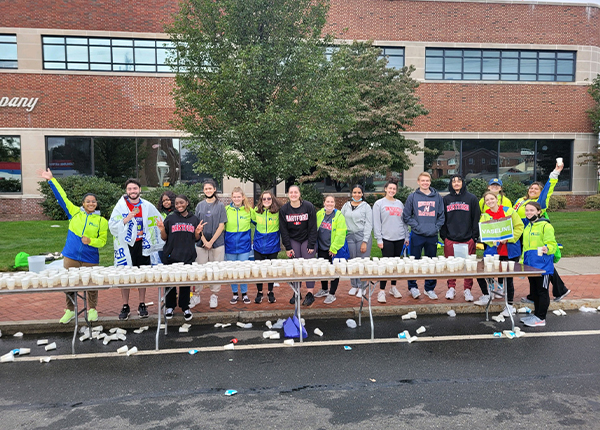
<point x="73" y="299"/>
<point x="371" y="288"/>
<point x="160" y="309"/>
<point x="512" y="320"/>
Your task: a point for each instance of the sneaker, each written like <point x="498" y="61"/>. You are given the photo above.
<point x="187" y="315"/>
<point x="246" y="299"/>
<point x="451" y="294"/>
<point x="381" y="296"/>
<point x="359" y="292"/>
<point x="214" y="301"/>
<point x="558" y="299"/>
<point x="169" y="313"/>
<point x="322" y="293"/>
<point x="309" y="299"/>
<point x="329" y="299"/>
<point x="194" y="300"/>
<point x="468" y="296"/>
<point x="271" y="297"/>
<point x="535" y="322"/>
<point x="124" y="312"/>
<point x="353" y="291"/>
<point x="234" y="300"/>
<point x="258" y="298"/>
<point x="526" y="300"/>
<point x="293" y="299"/>
<point x="509" y="308"/>
<point x="431" y="294"/>
<point x="142" y="310"/>
<point x="276" y="284"/>
<point x="394" y="292"/>
<point x="67" y="317"/>
<point x="526" y="318"/>
<point x="482" y="301"/>
<point x="415" y="293"/>
<point x="92" y="315"/>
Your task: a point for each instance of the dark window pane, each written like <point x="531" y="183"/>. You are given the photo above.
<point x="114" y="158"/>
<point x="517" y="160"/>
<point x="441" y="160"/>
<point x="161" y="163"/>
<point x="547" y="153"/>
<point x="69" y="156"/>
<point x="10" y="164"/>
<point x="481" y="152"/>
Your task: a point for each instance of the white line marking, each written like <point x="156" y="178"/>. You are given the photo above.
<point x="309" y="344"/>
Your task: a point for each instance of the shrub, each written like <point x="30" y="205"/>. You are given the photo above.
<point x="193" y="192"/>
<point x="10" y="185"/>
<point x="310" y="193"/>
<point x="556" y="203"/>
<point x="514" y="189"/>
<point x="372" y="198"/>
<point x="76" y="187"/>
<point x="592" y="202"/>
<point x="441" y="185"/>
<point x="477" y="186"/>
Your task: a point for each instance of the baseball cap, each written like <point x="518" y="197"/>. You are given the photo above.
<point x="495" y="181"/>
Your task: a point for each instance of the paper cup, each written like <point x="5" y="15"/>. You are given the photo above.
<point x="132" y="351"/>
<point x="511" y="265"/>
<point x="50" y="347"/>
<point x="123" y="349"/>
<point x="540" y="251"/>
<point x="559" y="161"/>
<point x="228" y="346"/>
<point x="504" y="266"/>
<point x="318" y="332"/>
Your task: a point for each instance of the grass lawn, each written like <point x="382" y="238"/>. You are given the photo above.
<point x="579" y="232"/>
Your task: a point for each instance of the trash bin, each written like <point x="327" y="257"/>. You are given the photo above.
<point x="37" y="263"/>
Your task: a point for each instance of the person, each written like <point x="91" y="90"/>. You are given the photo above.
<point x="166" y="206"/>
<point x="211" y="246"/>
<point x="180" y="231"/>
<point x="298" y="228"/>
<point x="359" y="221"/>
<point x="134" y="226"/>
<point x="390" y="231"/>
<point x="541" y="194"/>
<point x="495" y="186"/>
<point x="267" y="240"/>
<point x="331" y="241"/>
<point x="509" y="249"/>
<point x="539" y="246"/>
<point x="424" y="213"/>
<point x="88" y="232"/>
<point x="238" y="237"/>
<point x="461" y="225"/>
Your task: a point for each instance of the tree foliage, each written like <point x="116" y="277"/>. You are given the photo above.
<point x="384" y="104"/>
<point x="594" y="114"/>
<point x="253" y="88"/>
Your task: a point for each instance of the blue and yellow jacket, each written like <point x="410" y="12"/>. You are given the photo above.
<point x="543" y="200"/>
<point x="339" y="230"/>
<point x="266" y="235"/>
<point x="238" y="238"/>
<point x="81" y="224"/>
<point x="513" y="246"/>
<point x="539" y="233"/>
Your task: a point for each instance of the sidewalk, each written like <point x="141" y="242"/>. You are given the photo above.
<point x="39" y="312"/>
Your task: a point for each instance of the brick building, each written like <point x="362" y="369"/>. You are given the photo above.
<point x="84" y="86"/>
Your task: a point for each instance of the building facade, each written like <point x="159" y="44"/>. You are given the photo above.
<point x="84" y="89"/>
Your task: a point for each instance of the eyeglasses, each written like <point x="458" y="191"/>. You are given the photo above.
<point x="266" y="199"/>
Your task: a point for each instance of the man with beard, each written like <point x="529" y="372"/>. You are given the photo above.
<point x="134" y="225"/>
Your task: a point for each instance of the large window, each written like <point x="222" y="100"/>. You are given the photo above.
<point x="10" y="164"/>
<point x="499" y="65"/>
<point x="394" y="55"/>
<point x="106" y="54"/>
<point x="522" y="160"/>
<point x="8" y="51"/>
<point x="154" y="161"/>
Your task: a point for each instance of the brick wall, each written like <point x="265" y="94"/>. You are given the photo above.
<point x="21" y="209"/>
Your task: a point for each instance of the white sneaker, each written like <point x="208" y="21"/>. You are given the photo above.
<point x="381" y="296"/>
<point x="276" y="284"/>
<point x="505" y="312"/>
<point x="394" y="292"/>
<point x="431" y="294"/>
<point x="482" y="301"/>
<point x="194" y="300"/>
<point x="451" y="293"/>
<point x="329" y="299"/>
<point x="214" y="301"/>
<point x="359" y="292"/>
<point x="415" y="293"/>
<point x="353" y="291"/>
<point x="468" y="296"/>
<point x="322" y="293"/>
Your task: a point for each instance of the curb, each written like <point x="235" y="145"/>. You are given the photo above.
<point x="211" y="318"/>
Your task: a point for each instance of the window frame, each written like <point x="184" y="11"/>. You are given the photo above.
<point x="6" y="62"/>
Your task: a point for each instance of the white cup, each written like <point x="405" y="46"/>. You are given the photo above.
<point x="540" y="251"/>
<point x="496" y="264"/>
<point x="559" y="161"/>
<point x="504" y="266"/>
<point x="511" y="266"/>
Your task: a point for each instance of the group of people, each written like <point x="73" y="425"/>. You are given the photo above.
<point x="170" y="233"/>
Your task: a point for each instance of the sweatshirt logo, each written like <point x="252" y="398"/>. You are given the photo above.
<point x="426" y="208"/>
<point x="458" y="206"/>
<point x="182" y="227"/>
<point x="296" y="218"/>
<point x="393" y="211"/>
<point x="326" y="225"/>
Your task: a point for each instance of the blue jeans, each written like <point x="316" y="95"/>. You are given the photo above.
<point x="238" y="257"/>
<point x="417" y="245"/>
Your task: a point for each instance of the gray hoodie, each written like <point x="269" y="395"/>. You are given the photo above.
<point x="424" y="213"/>
<point x="359" y="221"/>
<point x="388" y="221"/>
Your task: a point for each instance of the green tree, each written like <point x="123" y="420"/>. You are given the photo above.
<point x="253" y="87"/>
<point x="594" y="114"/>
<point x="384" y="105"/>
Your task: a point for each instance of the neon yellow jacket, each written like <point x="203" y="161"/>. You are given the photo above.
<point x="338" y="229"/>
<point x="537" y="234"/>
<point x="543" y="200"/>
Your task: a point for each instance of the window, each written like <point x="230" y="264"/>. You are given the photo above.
<point x="525" y="161"/>
<point x="499" y="65"/>
<point x="68" y="156"/>
<point x="10" y="164"/>
<point x="8" y="51"/>
<point x="395" y="57"/>
<point x="106" y="54"/>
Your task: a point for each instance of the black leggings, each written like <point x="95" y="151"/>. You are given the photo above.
<point x="391" y="248"/>
<point x="334" y="282"/>
<point x="258" y="257"/>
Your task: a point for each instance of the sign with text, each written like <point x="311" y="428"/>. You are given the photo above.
<point x="496" y="230"/>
